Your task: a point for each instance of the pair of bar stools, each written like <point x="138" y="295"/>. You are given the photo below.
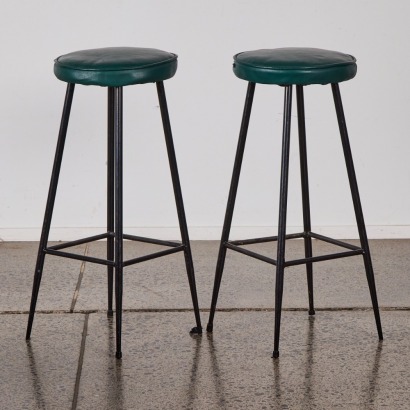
<point x="115" y="68"/>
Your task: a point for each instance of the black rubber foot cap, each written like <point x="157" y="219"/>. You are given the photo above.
<point x="312" y="312"/>
<point x="118" y="355"/>
<point x="110" y="313"/>
<point x="275" y="354"/>
<point x="196" y="331"/>
<point x="210" y="328"/>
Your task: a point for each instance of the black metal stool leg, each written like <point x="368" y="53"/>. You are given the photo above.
<point x="280" y="263"/>
<point x="357" y="205"/>
<point x="118" y="245"/>
<point x="231" y="201"/>
<point x="50" y="204"/>
<point x="179" y="204"/>
<point x="305" y="193"/>
<point x="110" y="198"/>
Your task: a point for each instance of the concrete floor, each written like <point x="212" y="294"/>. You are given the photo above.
<point x="332" y="360"/>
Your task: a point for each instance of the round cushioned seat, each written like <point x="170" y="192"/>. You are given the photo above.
<point x="301" y="66"/>
<point x="116" y="66"/>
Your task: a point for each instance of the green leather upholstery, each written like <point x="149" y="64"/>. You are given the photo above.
<point x="116" y="66"/>
<point x="302" y="66"/>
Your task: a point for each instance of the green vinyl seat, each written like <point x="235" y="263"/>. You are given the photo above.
<point x="294" y="65"/>
<point x="116" y="66"/>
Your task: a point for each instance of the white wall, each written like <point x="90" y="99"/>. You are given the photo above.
<point x="206" y="102"/>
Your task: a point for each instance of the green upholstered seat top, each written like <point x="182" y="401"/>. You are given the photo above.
<point x="115" y="66"/>
<point x="302" y="66"/>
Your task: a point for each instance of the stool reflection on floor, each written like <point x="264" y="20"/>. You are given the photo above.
<point x="300" y="67"/>
<point x="115" y="68"/>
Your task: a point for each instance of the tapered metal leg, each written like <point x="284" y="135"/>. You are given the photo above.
<point x="50" y="204"/>
<point x="283" y="199"/>
<point x="357" y="205"/>
<point x="110" y="197"/>
<point x="305" y="193"/>
<point x="118" y="219"/>
<point x="231" y="201"/>
<point x="179" y="204"/>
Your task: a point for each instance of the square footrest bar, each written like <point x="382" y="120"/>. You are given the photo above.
<point x="353" y="250"/>
<point x="56" y="249"/>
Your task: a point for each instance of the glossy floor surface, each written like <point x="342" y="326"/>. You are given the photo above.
<point x="331" y="360"/>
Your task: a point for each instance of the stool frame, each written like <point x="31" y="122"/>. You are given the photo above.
<point x="114" y="234"/>
<point x="307" y="234"/>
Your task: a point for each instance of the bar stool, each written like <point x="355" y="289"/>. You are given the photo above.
<point x="300" y="67"/>
<point x="115" y="68"/>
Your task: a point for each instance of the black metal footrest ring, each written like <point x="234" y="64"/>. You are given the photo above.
<point x="56" y="250"/>
<point x="352" y="249"/>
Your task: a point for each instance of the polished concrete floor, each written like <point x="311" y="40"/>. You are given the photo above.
<point x="331" y="360"/>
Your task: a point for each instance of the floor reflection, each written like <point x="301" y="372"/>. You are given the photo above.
<point x="36" y="381"/>
<point x="314" y="369"/>
<point x="310" y="353"/>
<point x="277" y="390"/>
<point x="374" y="375"/>
<point x="192" y="392"/>
<point x="212" y="377"/>
<point x="216" y="372"/>
<point x="205" y="361"/>
<point x="115" y="380"/>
